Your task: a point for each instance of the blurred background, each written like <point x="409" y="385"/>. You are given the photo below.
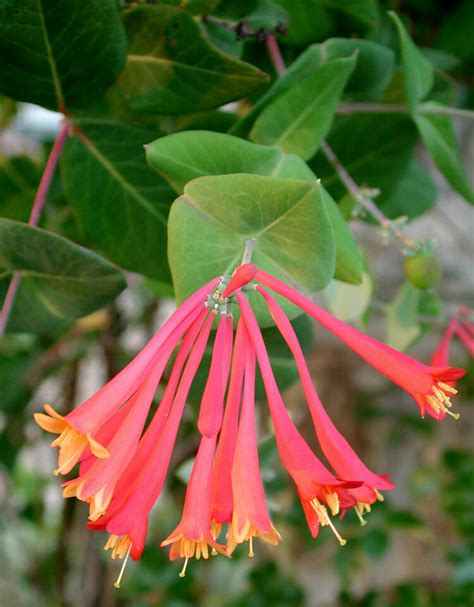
<point x="417" y="548"/>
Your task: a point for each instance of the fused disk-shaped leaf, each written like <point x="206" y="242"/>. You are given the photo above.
<point x="121" y="205"/>
<point x="60" y="280"/>
<point x="184" y="156"/>
<point x="417" y="70"/>
<point x="299" y="119"/>
<point x="172" y="69"/>
<point x="187" y="155"/>
<point x="60" y="54"/>
<point x="209" y="224"/>
<point x="438" y="134"/>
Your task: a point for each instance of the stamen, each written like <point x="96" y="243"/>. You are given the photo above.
<point x="435" y="403"/>
<point x="454" y="415"/>
<point x="119" y="579"/>
<point x="379" y="496"/>
<point x="333" y="502"/>
<point x="362" y="520"/>
<point x="447" y="387"/>
<point x="324" y="519"/>
<point x="251" y="552"/>
<point x="182" y="573"/>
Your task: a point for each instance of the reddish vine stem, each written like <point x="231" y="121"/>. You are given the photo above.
<point x="35" y="215"/>
<point x="275" y="54"/>
<point x="351" y="186"/>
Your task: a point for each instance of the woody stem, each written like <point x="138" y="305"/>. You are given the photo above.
<point x="364" y="201"/>
<point x="34" y="216"/>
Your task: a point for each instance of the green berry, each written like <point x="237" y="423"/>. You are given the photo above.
<point x="423" y="270"/>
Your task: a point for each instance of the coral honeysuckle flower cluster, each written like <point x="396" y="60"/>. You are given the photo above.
<point x="123" y="462"/>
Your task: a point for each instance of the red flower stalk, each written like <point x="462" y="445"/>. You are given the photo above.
<point x="250" y="515"/>
<point x="315" y="483"/>
<point x="429" y="386"/>
<point x="339" y="453"/>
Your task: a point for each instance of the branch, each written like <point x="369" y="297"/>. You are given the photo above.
<point x="34" y="217"/>
<point x="364" y="201"/>
<point x="398" y="108"/>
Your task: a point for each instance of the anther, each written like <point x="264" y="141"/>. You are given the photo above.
<point x="447" y="388"/>
<point x="251" y="552"/>
<point x="379" y="496"/>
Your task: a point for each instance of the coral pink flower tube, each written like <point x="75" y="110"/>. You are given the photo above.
<point x="222" y="498"/>
<point x="339" y="453"/>
<point x="250" y="516"/>
<point x="304" y="467"/>
<point x="212" y="402"/>
<point x="427" y="385"/>
<point x="128" y="512"/>
<point x="102" y="404"/>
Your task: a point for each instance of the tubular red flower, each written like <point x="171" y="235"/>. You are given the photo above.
<point x="222" y="498"/>
<point x="429" y="386"/>
<point x="97" y="485"/>
<point x="212" y="402"/>
<point x="339" y="453"/>
<point x="137" y="492"/>
<point x="77" y="430"/>
<point x="192" y="536"/>
<point x="250" y="515"/>
<point x="315" y="483"/>
<point x="440" y="356"/>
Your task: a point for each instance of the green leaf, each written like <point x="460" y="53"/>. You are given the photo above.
<point x="187" y="155"/>
<point x="309" y="21"/>
<point x="363" y="12"/>
<point x="300" y="119"/>
<point x="267" y="15"/>
<point x="349" y="261"/>
<point x="403" y="326"/>
<point x="61" y="281"/>
<point x="19" y="179"/>
<point x="376" y="150"/>
<point x="414" y="194"/>
<point x="438" y="134"/>
<point x="418" y="71"/>
<point x="184" y="156"/>
<point x="209" y="224"/>
<point x="172" y="68"/>
<point x="60" y="54"/>
<point x="371" y="75"/>
<point x="349" y="302"/>
<point x="121" y="206"/>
